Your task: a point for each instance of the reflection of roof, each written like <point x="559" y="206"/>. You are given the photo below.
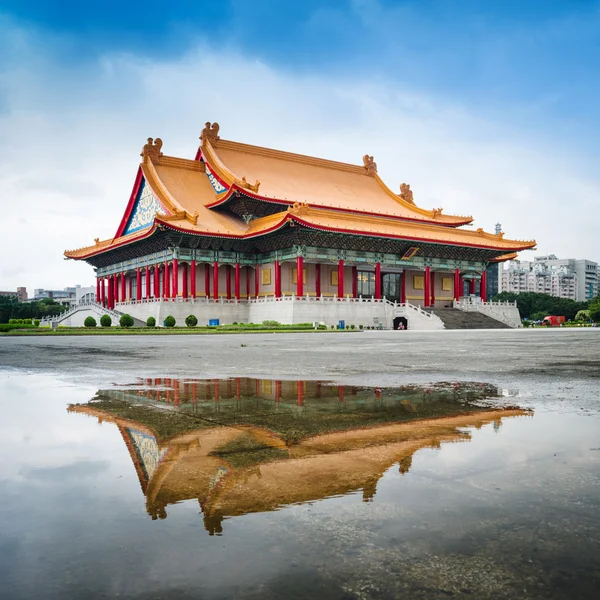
<point x="313" y="192"/>
<point x="318" y="467"/>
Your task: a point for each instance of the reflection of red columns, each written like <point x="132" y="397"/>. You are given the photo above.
<point x="299" y="276"/>
<point x="403" y="287"/>
<point x="97" y="290"/>
<point x="193" y="279"/>
<point x="228" y="281"/>
<point x="175" y="277"/>
<point x="277" y="391"/>
<point x="354" y="282"/>
<point x="256" y="281"/>
<point x="215" y="280"/>
<point x="377" y="281"/>
<point x="483" y="286"/>
<point x="184" y="280"/>
<point x="176" y="394"/>
<point x="247" y="282"/>
<point x="277" y="280"/>
<point x="217" y="394"/>
<point x="378" y="393"/>
<point x="238" y="388"/>
<point x="317" y="280"/>
<point x="237" y="280"/>
<point x="318" y="389"/>
<point x="123" y="286"/>
<point x="340" y="291"/>
<point x="340" y="393"/>
<point x="457" y="292"/>
<point x="300" y="387"/>
<point x="206" y="280"/>
<point x="257" y="387"/>
<point x="194" y="392"/>
<point x="427" y="287"/>
<point x="138" y="284"/>
<point x="432" y="286"/>
<point x="472" y="287"/>
<point x="148" y="283"/>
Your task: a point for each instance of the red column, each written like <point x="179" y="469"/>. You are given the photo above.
<point x="432" y="285"/>
<point x="175" y="277"/>
<point x="166" y="280"/>
<point x="206" y="280"/>
<point x="123" y="283"/>
<point x="147" y="283"/>
<point x="277" y="280"/>
<point x="103" y="292"/>
<point x="377" y="281"/>
<point x="340" y="278"/>
<point x="354" y="282"/>
<point x="98" y="290"/>
<point x="193" y="279"/>
<point x="215" y="280"/>
<point x="403" y="287"/>
<point x="457" y="292"/>
<point x="157" y="281"/>
<point x="256" y="280"/>
<point x="317" y="280"/>
<point x="247" y="282"/>
<point x="427" y="287"/>
<point x="110" y="292"/>
<point x="483" y="286"/>
<point x="115" y="283"/>
<point x="138" y="284"/>
<point x="130" y="288"/>
<point x="184" y="280"/>
<point x="237" y="280"/>
<point x="228" y="281"/>
<point x="472" y="287"/>
<point x="299" y="276"/>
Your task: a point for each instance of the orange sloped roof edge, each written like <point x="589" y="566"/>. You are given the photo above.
<point x="234" y="179"/>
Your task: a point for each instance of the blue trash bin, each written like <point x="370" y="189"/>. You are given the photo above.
<point x="341" y="324"/>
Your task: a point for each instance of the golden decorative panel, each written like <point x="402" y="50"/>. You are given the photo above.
<point x="447" y="284"/>
<point x="418" y="282"/>
<point x="265" y="277"/>
<point x="334" y="278"/>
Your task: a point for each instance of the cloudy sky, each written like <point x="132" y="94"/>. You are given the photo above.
<point x="487" y="108"/>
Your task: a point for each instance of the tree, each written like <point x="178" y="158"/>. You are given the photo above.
<point x="170" y="321"/>
<point x="126" y="321"/>
<point x="530" y="303"/>
<point x="595" y="312"/>
<point x="150" y="322"/>
<point x="583" y="315"/>
<point x="89" y="322"/>
<point x="105" y="321"/>
<point x="191" y="321"/>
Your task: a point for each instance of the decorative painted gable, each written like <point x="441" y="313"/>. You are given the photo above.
<point x="146" y="207"/>
<point x="217" y="185"/>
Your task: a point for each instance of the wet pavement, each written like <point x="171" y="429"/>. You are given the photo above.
<point x="367" y="465"/>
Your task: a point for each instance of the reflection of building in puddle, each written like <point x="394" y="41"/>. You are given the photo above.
<point x="261" y="460"/>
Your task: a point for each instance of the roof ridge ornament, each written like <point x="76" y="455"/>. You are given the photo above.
<point x="370" y="165"/>
<point x="253" y="187"/>
<point x="298" y="208"/>
<point x="436" y="212"/>
<point x="406" y="193"/>
<point x="210" y="133"/>
<point x="152" y="149"/>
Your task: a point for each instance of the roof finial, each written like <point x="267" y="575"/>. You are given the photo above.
<point x="253" y="187"/>
<point x="210" y="133"/>
<point x="370" y="164"/>
<point x="406" y="193"/>
<point x="152" y="149"/>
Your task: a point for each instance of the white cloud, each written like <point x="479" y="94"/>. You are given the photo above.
<point x="71" y="139"/>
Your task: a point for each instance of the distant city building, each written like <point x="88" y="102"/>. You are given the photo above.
<point x="21" y="294"/>
<point x="576" y="279"/>
<point x="68" y="296"/>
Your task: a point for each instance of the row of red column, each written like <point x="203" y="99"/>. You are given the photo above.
<point x="112" y="289"/>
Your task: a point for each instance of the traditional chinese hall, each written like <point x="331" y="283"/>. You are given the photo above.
<point x="242" y="233"/>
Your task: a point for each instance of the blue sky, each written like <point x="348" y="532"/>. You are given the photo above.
<point x="505" y="93"/>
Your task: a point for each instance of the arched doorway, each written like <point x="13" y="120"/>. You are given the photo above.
<point x="400" y="323"/>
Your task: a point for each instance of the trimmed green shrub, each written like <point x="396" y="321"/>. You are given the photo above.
<point x="170" y="321"/>
<point x="352" y="327"/>
<point x="90" y="322"/>
<point x="36" y="323"/>
<point x="192" y="321"/>
<point x="360" y="326"/>
<point x="270" y="323"/>
<point x="333" y="327"/>
<point x="150" y="322"/>
<point x="105" y="321"/>
<point x="126" y="321"/>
